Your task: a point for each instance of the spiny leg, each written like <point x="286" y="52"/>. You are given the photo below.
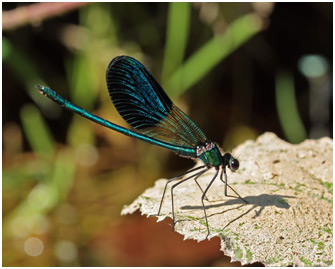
<point x="202" y="199"/>
<point x="226" y="184"/>
<point x="175" y="185"/>
<point x="196" y="181"/>
<point x="174" y="178"/>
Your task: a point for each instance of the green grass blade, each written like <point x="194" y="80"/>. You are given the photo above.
<point x="211" y="53"/>
<point x="178" y="25"/>
<point x="287" y="108"/>
<point x="63" y="173"/>
<point x="39" y="137"/>
<point x="29" y="216"/>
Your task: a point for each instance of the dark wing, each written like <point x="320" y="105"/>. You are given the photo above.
<point x="141" y="101"/>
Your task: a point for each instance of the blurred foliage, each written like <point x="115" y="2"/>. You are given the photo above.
<point x="287" y="108"/>
<point x="66" y="179"/>
<point x="178" y="23"/>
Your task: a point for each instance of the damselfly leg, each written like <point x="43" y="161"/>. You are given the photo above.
<point x="223" y="171"/>
<point x="174" y="178"/>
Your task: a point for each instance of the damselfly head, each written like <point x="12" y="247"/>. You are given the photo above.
<point x="232" y="163"/>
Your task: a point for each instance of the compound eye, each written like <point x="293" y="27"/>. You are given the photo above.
<point x="234" y="165"/>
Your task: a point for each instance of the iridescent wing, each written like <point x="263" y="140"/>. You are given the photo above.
<point x="144" y="105"/>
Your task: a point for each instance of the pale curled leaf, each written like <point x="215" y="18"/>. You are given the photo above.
<point x="289" y="218"/>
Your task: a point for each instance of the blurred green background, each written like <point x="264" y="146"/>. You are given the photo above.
<point x="237" y="69"/>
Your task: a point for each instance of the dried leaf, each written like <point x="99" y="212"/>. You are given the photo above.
<point x="289" y="218"/>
